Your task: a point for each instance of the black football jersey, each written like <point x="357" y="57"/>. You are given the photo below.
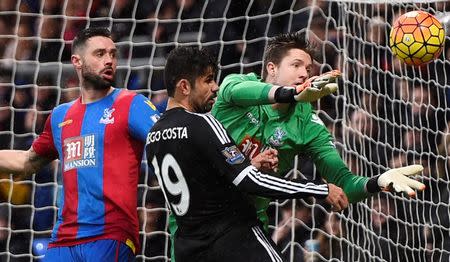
<point x="206" y="179"/>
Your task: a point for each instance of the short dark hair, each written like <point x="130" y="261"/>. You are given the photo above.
<point x="80" y="39"/>
<point x="187" y="63"/>
<point x="278" y="46"/>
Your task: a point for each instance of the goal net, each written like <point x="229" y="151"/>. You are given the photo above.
<point x="385" y="115"/>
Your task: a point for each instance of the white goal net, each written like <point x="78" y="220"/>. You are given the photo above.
<point x="385" y="114"/>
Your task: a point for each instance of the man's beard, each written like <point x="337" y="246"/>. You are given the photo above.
<point x="96" y="81"/>
<point x="201" y="108"/>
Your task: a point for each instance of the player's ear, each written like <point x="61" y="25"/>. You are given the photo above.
<point x="271" y="68"/>
<point x="76" y="61"/>
<point x="184" y="87"/>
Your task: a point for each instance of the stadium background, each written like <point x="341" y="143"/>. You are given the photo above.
<point x="385" y="114"/>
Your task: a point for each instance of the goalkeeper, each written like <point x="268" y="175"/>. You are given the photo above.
<point x="276" y="112"/>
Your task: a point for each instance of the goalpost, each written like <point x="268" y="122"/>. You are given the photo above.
<point x="385" y="114"/>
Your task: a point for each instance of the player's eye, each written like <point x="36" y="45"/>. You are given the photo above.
<point x="209" y="79"/>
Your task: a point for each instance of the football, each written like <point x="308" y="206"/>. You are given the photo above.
<point x="417" y="38"/>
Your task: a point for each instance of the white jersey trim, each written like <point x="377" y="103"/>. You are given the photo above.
<point x="215" y="125"/>
<point x="266" y="244"/>
<point x="219" y="126"/>
<point x="242" y="175"/>
<point x="278" y="184"/>
<point x="290" y="185"/>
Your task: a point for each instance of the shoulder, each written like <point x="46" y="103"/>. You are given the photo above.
<point x="201" y="129"/>
<point x="123" y="95"/>
<point x="240" y="78"/>
<point x="195" y="121"/>
<point x="249" y="76"/>
<point x="136" y="100"/>
<point x="186" y="118"/>
<point x="63" y="107"/>
<point x="201" y="118"/>
<point x="207" y="122"/>
<point x="60" y="111"/>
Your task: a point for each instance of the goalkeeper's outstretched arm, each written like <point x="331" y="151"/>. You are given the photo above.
<point x="358" y="188"/>
<point x="334" y="170"/>
<point x="248" y="90"/>
<point x="20" y="162"/>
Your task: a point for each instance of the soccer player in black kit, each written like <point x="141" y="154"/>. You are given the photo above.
<point x="206" y="180"/>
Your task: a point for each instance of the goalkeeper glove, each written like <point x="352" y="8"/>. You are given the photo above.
<point x="397" y="179"/>
<point x="317" y="87"/>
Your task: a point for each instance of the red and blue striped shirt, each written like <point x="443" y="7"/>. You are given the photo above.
<point x="100" y="147"/>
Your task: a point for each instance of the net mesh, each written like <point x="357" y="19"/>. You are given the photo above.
<point x="385" y="115"/>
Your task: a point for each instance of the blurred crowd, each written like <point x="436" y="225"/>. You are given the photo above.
<point x="385" y="115"/>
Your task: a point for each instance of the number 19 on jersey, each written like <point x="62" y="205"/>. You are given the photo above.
<point x="174" y="188"/>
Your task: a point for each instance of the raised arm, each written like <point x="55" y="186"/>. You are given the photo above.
<point x="244" y="90"/>
<point x="248" y="90"/>
<point x="20" y="162"/>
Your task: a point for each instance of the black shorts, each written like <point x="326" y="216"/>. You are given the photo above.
<point x="240" y="243"/>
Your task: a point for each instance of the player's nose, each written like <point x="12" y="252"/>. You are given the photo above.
<point x="302" y="74"/>
<point x="108" y="61"/>
<point x="215" y="87"/>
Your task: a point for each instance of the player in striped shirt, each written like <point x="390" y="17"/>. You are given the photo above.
<point x="99" y="139"/>
<point x="205" y="178"/>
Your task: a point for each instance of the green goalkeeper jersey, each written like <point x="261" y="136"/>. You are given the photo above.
<point x="243" y="108"/>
